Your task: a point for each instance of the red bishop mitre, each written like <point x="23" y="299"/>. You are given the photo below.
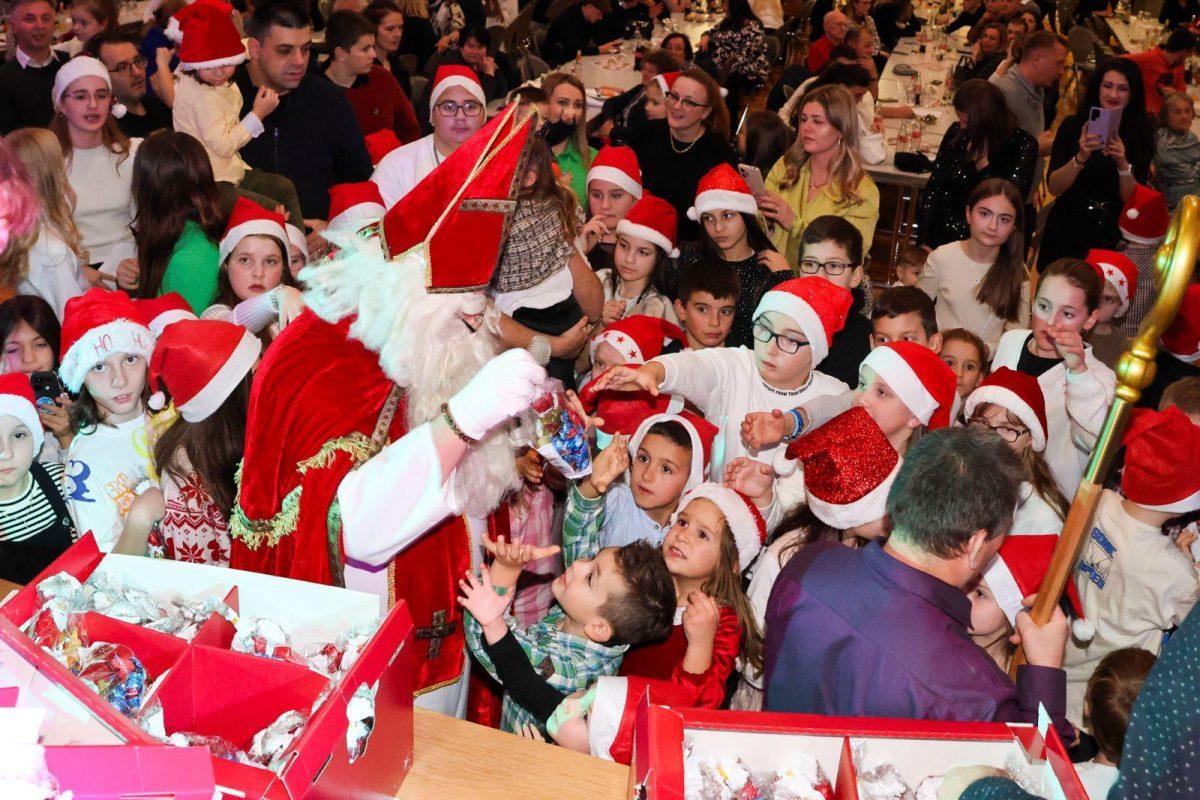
<point x="461" y="209"/>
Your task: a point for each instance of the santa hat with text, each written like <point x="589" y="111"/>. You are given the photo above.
<point x="1019" y="394"/>
<point x="654" y="220"/>
<point x="96" y="325"/>
<point x="1117" y="269"/>
<point x="639" y="338"/>
<point x="818" y="306"/>
<point x="1162" y="451"/>
<point x="248" y="218"/>
<point x="1144" y="219"/>
<point x="17" y="400"/>
<point x="618" y="165"/>
<point x="1017" y="572"/>
<point x="920" y="379"/>
<point x="207" y="36"/>
<point x="200" y="362"/>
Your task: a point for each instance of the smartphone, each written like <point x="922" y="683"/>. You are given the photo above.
<point x="46" y="388"/>
<point x="1105" y="123"/>
<point x="753" y="177"/>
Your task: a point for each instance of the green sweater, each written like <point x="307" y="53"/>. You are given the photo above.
<point x="570" y="161"/>
<point x="193" y="268"/>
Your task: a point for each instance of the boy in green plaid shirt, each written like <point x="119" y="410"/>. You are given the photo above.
<point x="621" y="597"/>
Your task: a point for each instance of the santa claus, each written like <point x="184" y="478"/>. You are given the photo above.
<point x="376" y="443"/>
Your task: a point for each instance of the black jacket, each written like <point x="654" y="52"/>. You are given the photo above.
<point x="25" y="94"/>
<point x="571" y="33"/>
<point x="312" y="138"/>
<point x="850" y="345"/>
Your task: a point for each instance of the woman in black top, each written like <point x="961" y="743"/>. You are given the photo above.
<point x="894" y="20"/>
<point x="676" y="152"/>
<point x="388" y="20"/>
<point x="1092" y="179"/>
<point x="984" y="143"/>
<point x="1178" y="13"/>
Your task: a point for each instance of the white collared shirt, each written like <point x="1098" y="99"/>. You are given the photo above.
<point x="27" y="61"/>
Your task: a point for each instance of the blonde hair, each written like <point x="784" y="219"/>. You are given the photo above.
<point x="846" y="171"/>
<point x="39" y="150"/>
<point x="414" y="8"/>
<point x="552" y="82"/>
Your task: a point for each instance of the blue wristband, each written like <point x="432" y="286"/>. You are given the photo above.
<point x="797" y="425"/>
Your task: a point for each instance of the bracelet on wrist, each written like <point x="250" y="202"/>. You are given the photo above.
<point x="1078" y="163"/>
<point x="797" y="425"/>
<point x="540" y="349"/>
<point x="1125" y="173"/>
<point x="454" y="425"/>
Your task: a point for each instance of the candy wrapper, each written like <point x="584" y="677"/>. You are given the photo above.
<point x="264" y="637"/>
<point x="800" y="777"/>
<point x="878" y="780"/>
<point x="928" y="788"/>
<point x="219" y="747"/>
<point x="360" y="715"/>
<point x="559" y="435"/>
<point x="115" y="673"/>
<point x="185" y="617"/>
<point x="728" y="778"/>
<point x="273" y="741"/>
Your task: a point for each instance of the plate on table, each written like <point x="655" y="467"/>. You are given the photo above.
<point x="904" y="69"/>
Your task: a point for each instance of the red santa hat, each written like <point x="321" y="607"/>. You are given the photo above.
<point x="1019" y="394"/>
<point x="919" y="378"/>
<point x="699" y="430"/>
<point x="17" y="400"/>
<point x="297" y="239"/>
<point x="722" y="189"/>
<point x="1182" y="339"/>
<point x="455" y="75"/>
<point x="654" y="220"/>
<point x="353" y="205"/>
<point x="1162" y="449"/>
<point x="1017" y="572"/>
<point x="741" y="515"/>
<point x="818" y="306"/>
<point x="380" y="143"/>
<point x="617" y="164"/>
<point x="849" y="467"/>
<point x="200" y="362"/>
<point x="614" y="710"/>
<point x="1145" y="218"/>
<point x="666" y="81"/>
<point x="248" y="218"/>
<point x="157" y="313"/>
<point x="96" y="325"/>
<point x="207" y="36"/>
<point x="1117" y="269"/>
<point x="639" y="338"/>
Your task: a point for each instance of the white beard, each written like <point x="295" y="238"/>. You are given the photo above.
<point x="423" y="345"/>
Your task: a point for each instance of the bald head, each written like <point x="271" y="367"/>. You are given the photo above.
<point x="836" y="24"/>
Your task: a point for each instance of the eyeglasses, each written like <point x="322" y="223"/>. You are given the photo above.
<point x="687" y="102"/>
<point x="137" y="62"/>
<point x="810" y="266"/>
<point x="450" y="108"/>
<point x="785" y="343"/>
<point x="101" y="96"/>
<point x="1006" y="433"/>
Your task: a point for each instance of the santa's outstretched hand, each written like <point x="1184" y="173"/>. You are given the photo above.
<point x="504" y="387"/>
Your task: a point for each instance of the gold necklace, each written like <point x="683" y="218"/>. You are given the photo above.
<point x="689" y="145"/>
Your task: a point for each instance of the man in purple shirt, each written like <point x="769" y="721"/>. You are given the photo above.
<point x="883" y="631"/>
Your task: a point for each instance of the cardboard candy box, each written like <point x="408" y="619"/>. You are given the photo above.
<point x="204" y="687"/>
<point x="917" y="748"/>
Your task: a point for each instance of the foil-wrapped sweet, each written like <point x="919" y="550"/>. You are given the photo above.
<point x="264" y="637"/>
<point x="560" y="436"/>
<point x="800" y="777"/>
<point x="274" y="740"/>
<point x="878" y="780"/>
<point x="115" y="674"/>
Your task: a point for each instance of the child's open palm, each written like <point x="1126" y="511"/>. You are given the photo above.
<point x="511" y="557"/>
<point x="480" y="598"/>
<point x="752" y="478"/>
<point x="610" y="463"/>
<point x="627" y="379"/>
<point x="763" y="429"/>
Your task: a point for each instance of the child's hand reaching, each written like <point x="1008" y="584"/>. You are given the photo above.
<point x="627" y="379"/>
<point x="511" y="557"/>
<point x="612" y="311"/>
<point x="763" y="429"/>
<point x="609" y="464"/>
<point x="752" y="478"/>
<point x="487" y="607"/>
<point x="530" y="467"/>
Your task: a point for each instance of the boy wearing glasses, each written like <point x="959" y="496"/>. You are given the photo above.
<point x="793" y="326"/>
<point x="456" y="111"/>
<point x="832" y="248"/>
<point x="144" y="112"/>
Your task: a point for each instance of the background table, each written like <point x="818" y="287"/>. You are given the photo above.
<point x="457" y="760"/>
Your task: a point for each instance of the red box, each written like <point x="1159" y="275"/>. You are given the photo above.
<point x="207" y="688"/>
<point x="918" y="748"/>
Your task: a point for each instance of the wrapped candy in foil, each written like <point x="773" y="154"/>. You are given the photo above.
<point x="360" y="717"/>
<point x="219" y="747"/>
<point x="112" y="598"/>
<point x="928" y="788"/>
<point x="728" y="778"/>
<point x="264" y="637"/>
<point x="560" y="437"/>
<point x="800" y="777"/>
<point x="878" y="780"/>
<point x="273" y="741"/>
<point x="115" y="673"/>
<point x="184" y="617"/>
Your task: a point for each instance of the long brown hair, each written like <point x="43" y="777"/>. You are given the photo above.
<point x="725" y="587"/>
<point x="1035" y="465"/>
<point x="113" y="139"/>
<point x="846" y="171"/>
<point x="989" y="121"/>
<point x="172" y="184"/>
<point x="547" y="188"/>
<point x="1001" y="286"/>
<point x="717" y="122"/>
<point x="213" y="446"/>
<point x="552" y="82"/>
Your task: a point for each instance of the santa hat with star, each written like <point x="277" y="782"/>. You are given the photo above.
<point x="818" y="306"/>
<point x="17" y="400"/>
<point x="450" y="75"/>
<point x="722" y="189"/>
<point x="157" y="313"/>
<point x="200" y="362"/>
<point x="849" y="467"/>
<point x="618" y="165"/>
<point x="354" y="205"/>
<point x="1019" y="394"/>
<point x="654" y="220"/>
<point x="1117" y="269"/>
<point x="1182" y="339"/>
<point x="1144" y="219"/>
<point x="248" y="218"/>
<point x="207" y="36"/>
<point x="639" y="338"/>
<point x="1162" y="449"/>
<point x="741" y="515"/>
<point x="96" y="325"/>
<point x="920" y="379"/>
<point x="1017" y="572"/>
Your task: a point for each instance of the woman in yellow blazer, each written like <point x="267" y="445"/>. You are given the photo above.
<point x="820" y="174"/>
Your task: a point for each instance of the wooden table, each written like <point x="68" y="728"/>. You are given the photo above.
<point x="456" y="759"/>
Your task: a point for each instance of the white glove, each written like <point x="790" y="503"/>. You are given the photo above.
<point x="505" y="386"/>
